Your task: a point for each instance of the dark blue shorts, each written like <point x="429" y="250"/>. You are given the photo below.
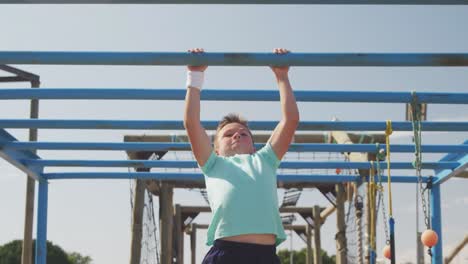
<point x="229" y="252"/>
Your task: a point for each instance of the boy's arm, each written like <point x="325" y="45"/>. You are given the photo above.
<point x="199" y="140"/>
<point x="284" y="132"/>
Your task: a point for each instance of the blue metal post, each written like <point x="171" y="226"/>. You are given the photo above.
<point x="372" y="256"/>
<point x="436" y="222"/>
<point x="391" y="223"/>
<point x="41" y="240"/>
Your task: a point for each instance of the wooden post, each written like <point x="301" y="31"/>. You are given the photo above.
<point x="26" y="254"/>
<point x="179" y="234"/>
<point x="317" y="239"/>
<point x="457" y="250"/>
<point x="309" y="244"/>
<point x="137" y="220"/>
<point x="341" y="249"/>
<point x="166" y="222"/>
<point x="193" y="241"/>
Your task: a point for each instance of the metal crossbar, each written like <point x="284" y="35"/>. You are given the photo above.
<point x="192" y="164"/>
<point x="234" y="59"/>
<point x="211" y="125"/>
<point x="246" y="2"/>
<point x="294" y="147"/>
<point x="233" y="95"/>
<point x="282" y="178"/>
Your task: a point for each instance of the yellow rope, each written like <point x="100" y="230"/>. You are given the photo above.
<point x="388" y="132"/>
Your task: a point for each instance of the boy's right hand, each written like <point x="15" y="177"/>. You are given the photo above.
<point x="197" y="68"/>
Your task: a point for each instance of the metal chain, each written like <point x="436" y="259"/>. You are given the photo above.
<point x="358" y="203"/>
<point x="384" y="215"/>
<point x="382" y="201"/>
<point x="416" y="122"/>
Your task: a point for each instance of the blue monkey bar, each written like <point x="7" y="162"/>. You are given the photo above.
<point x="246" y="2"/>
<point x="235" y="95"/>
<point x="211" y="125"/>
<point x="445" y="165"/>
<point x="234" y="59"/>
<point x="177" y="146"/>
<point x="444" y="174"/>
<point x="199" y="177"/>
<point x="19" y="155"/>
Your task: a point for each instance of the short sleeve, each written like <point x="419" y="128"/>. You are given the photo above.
<point x="268" y="154"/>
<point x="209" y="163"/>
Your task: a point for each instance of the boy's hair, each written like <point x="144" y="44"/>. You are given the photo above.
<point x="228" y="119"/>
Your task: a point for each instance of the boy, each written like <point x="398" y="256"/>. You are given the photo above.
<point x="241" y="182"/>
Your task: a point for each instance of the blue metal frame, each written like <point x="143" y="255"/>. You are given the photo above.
<point x="16" y="156"/>
<point x="19" y="154"/>
<point x="247" y="2"/>
<point x="232" y="95"/>
<point x="443" y="175"/>
<point x="234" y="59"/>
<point x="436" y="223"/>
<point x="193" y="164"/>
<point x="211" y="125"/>
<point x="41" y="232"/>
<point x="180" y="176"/>
<point x="174" y="146"/>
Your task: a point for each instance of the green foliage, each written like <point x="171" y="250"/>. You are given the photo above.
<point x="77" y="258"/>
<point x="299" y="257"/>
<point x="10" y="253"/>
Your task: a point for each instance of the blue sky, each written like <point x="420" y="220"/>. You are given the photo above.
<point x="93" y="217"/>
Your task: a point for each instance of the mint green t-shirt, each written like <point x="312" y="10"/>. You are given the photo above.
<point x="243" y="195"/>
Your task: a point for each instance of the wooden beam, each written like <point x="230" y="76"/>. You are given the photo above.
<point x="341" y="248"/>
<point x="309" y="244"/>
<point x="137" y="220"/>
<point x="456" y="250"/>
<point x="326" y="213"/>
<point x="317" y="238"/>
<point x="193" y="242"/>
<point x="179" y="234"/>
<point x="463" y="175"/>
<point x="166" y="222"/>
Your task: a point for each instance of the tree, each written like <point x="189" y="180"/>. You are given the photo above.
<point x="299" y="257"/>
<point x="10" y="253"/>
<point x="77" y="258"/>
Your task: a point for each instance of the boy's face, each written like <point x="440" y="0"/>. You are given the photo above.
<point x="234" y="138"/>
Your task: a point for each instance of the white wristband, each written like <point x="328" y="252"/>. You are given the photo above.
<point x="195" y="79"/>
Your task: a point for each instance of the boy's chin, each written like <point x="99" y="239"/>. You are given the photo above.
<point x="236" y="152"/>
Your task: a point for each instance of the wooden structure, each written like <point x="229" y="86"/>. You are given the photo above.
<point x="171" y="218"/>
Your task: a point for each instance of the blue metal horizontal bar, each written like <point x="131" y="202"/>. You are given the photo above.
<point x="246" y="2"/>
<point x="177" y="146"/>
<point x="193" y="164"/>
<point x="254" y="125"/>
<point x="233" y="59"/>
<point x="14" y="157"/>
<point x="199" y="177"/>
<point x="232" y="95"/>
<point x="445" y="175"/>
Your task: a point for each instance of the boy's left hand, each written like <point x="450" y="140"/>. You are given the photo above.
<point x="280" y="70"/>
